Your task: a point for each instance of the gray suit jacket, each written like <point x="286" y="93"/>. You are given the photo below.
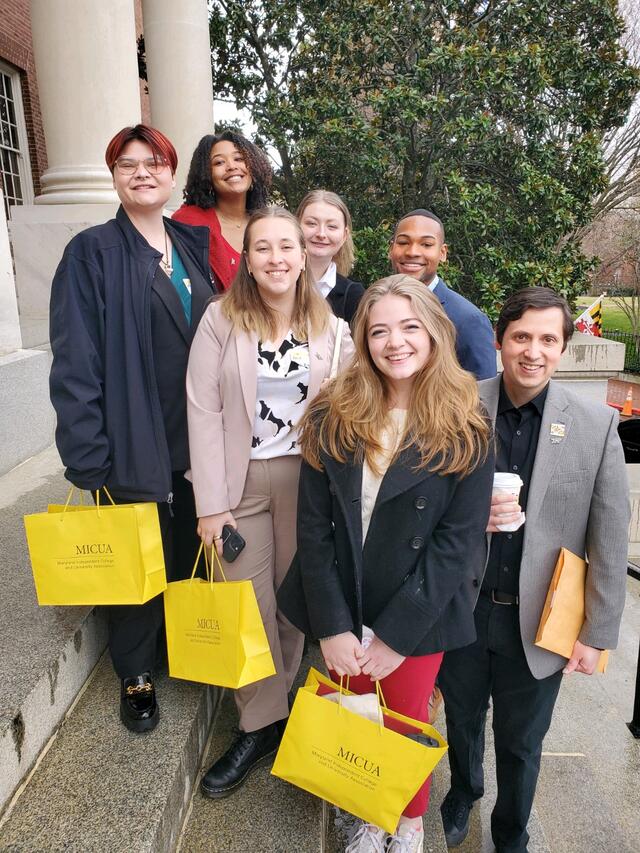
<point x="578" y="499"/>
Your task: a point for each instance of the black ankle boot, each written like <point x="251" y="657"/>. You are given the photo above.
<point x="138" y="706"/>
<point x="249" y="750"/>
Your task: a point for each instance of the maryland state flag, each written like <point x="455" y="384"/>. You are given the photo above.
<point x="590" y="321"/>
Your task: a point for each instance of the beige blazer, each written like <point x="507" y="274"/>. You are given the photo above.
<point x="222" y="383"/>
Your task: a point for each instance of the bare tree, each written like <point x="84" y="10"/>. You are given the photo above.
<point x="622" y="146"/>
<point x="621" y="267"/>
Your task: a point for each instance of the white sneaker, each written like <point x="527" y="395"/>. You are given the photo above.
<point x="346" y="825"/>
<point x="368" y="839"/>
<point x="407" y="840"/>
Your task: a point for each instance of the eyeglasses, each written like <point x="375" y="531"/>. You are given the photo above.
<point x="153" y="165"/>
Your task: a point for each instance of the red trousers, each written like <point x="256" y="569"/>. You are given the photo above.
<point x="407" y="690"/>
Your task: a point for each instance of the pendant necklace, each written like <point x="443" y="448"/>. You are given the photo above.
<point x="166" y="264"/>
<point x="232" y="222"/>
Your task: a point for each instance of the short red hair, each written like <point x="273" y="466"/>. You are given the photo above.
<point x="156" y="141"/>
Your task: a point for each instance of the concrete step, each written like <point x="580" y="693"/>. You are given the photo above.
<point x="46" y="653"/>
<point x="268" y="815"/>
<point x="102" y="789"/>
<point x="27" y="419"/>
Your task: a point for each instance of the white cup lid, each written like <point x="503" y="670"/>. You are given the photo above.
<point x="506" y="480"/>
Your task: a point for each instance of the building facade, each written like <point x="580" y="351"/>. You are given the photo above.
<point x="69" y="80"/>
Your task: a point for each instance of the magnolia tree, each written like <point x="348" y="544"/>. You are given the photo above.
<point x="491" y="114"/>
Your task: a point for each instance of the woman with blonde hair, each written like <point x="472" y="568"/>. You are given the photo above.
<point x="326" y="225"/>
<point x="259" y="356"/>
<point x="394" y="499"/>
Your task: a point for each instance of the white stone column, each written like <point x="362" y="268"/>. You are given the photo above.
<point x="178" y="54"/>
<point x="10" y="336"/>
<point x="26" y="416"/>
<point x="85" y="56"/>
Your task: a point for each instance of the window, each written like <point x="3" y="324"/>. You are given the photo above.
<point x="14" y="160"/>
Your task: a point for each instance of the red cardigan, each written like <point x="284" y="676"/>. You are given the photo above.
<point x="223" y="258"/>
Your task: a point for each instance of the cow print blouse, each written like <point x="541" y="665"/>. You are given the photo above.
<point x="283" y="385"/>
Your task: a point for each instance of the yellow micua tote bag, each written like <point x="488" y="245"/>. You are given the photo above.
<point x="102" y="554"/>
<point x="215" y="632"/>
<point x="356" y="764"/>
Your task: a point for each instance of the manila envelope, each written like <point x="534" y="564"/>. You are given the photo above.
<point x="563" y="612"/>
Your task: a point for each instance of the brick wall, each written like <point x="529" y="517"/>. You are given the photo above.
<point x="16" y="49"/>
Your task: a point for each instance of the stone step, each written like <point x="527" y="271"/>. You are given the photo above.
<point x="265" y="815"/>
<point x="268" y="815"/>
<point x="102" y="789"/>
<point x="46" y="653"/>
<point x="27" y="419"/>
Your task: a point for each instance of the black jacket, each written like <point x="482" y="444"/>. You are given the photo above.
<point x="416" y="581"/>
<point x="345" y="297"/>
<point x="107" y="334"/>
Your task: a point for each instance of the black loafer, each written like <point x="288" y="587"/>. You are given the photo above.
<point x="138" y="706"/>
<point x="248" y="751"/>
<point x="455" y="819"/>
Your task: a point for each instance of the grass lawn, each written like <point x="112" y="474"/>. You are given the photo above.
<point x="612" y="316"/>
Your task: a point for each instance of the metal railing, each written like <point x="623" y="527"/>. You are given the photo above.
<point x="634" y="725"/>
<point x="631" y="348"/>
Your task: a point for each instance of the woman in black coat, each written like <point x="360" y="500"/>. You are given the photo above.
<point x="326" y="225"/>
<point x="126" y="300"/>
<point x="394" y="499"/>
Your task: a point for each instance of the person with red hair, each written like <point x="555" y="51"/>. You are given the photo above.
<point x="126" y="300"/>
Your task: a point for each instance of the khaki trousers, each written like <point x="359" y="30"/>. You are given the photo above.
<point x="266" y="518"/>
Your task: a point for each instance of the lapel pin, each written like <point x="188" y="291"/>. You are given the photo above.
<point x="557" y="432"/>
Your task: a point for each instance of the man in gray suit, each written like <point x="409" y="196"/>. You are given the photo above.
<point x="568" y="454"/>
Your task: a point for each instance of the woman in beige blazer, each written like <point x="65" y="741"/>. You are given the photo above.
<point x="259" y="356"/>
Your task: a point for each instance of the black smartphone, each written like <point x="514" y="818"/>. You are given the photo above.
<point x="232" y="543"/>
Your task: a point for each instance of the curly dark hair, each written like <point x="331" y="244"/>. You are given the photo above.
<point x="199" y="189"/>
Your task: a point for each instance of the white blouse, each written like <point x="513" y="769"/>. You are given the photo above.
<point x="328" y="281"/>
<point x="281" y="401"/>
<point x="390" y="439"/>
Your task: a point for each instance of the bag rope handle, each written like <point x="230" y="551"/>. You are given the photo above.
<point x="209" y="567"/>
<point x="382" y="703"/>
<point x="106" y="491"/>
<point x="81" y="493"/>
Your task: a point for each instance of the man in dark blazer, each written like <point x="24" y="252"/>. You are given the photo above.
<point x="417" y="248"/>
<point x="575" y="495"/>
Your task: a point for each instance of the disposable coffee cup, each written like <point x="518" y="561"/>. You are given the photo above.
<point x="505" y="483"/>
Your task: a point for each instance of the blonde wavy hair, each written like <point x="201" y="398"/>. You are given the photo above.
<point x="444" y="421"/>
<point x="244" y="306"/>
<point x="345" y="256"/>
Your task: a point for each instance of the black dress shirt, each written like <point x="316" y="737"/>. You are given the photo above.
<point x="517" y="432"/>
